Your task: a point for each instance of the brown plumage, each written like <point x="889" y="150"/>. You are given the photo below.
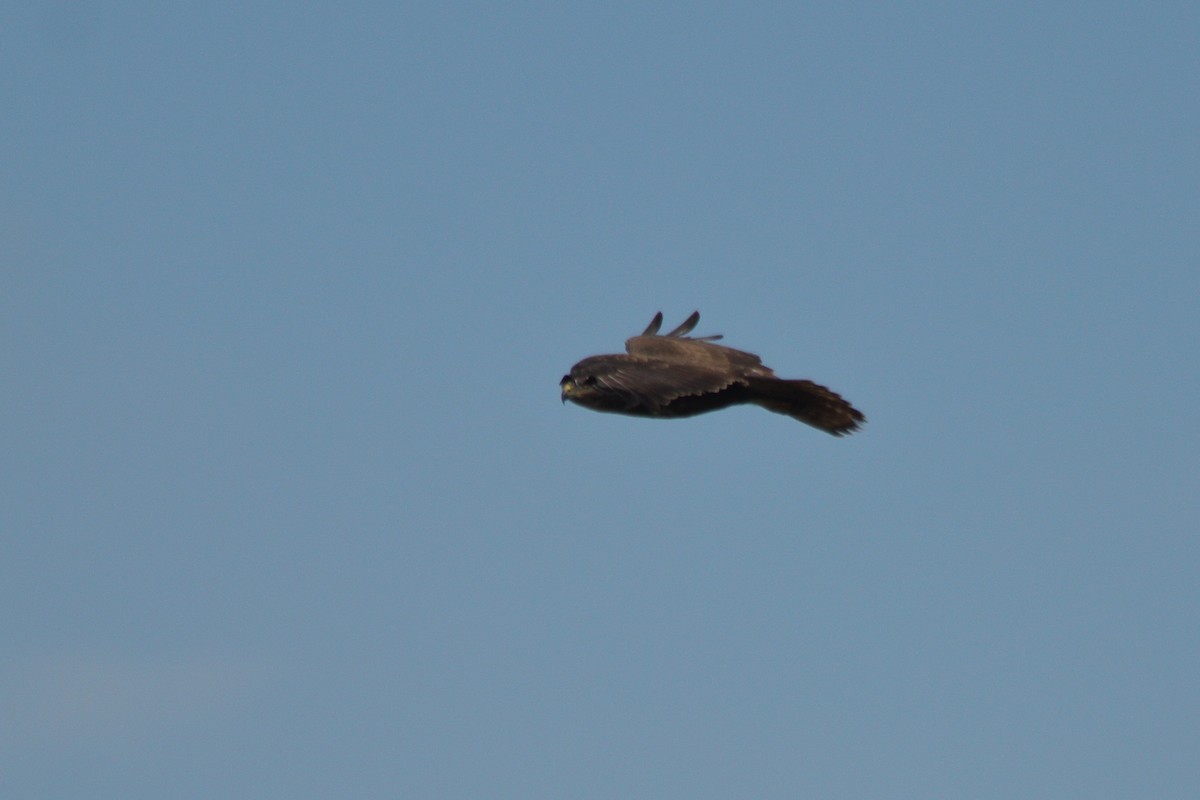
<point x="676" y="375"/>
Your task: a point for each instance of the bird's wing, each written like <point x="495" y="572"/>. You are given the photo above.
<point x="656" y="383"/>
<point x="696" y="352"/>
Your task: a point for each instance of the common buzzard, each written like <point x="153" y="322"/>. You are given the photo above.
<point x="676" y="375"/>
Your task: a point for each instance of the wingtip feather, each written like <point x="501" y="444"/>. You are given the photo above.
<point x="687" y="326"/>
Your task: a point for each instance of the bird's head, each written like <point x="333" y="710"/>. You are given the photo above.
<point x="597" y="383"/>
<point x="577" y="387"/>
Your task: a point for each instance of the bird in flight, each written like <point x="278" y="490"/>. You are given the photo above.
<point x="676" y="375"/>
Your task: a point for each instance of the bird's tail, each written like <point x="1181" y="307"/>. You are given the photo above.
<point x="808" y="402"/>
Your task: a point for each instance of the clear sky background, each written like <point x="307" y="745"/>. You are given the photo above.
<point x="291" y="508"/>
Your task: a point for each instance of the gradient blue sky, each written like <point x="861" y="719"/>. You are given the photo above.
<point x="291" y="508"/>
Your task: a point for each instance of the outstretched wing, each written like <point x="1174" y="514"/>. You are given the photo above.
<point x="696" y="352"/>
<point x="654" y="384"/>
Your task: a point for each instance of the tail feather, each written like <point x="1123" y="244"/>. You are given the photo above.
<point x="808" y="402"/>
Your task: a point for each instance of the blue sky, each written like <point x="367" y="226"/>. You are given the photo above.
<point x="291" y="507"/>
